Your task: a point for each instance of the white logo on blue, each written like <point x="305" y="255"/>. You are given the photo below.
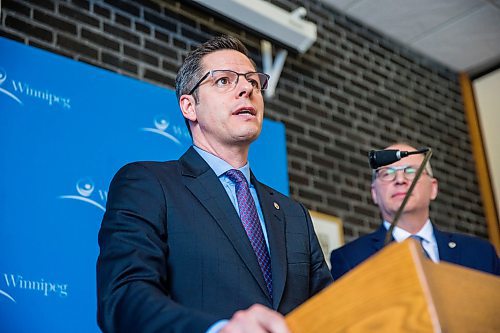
<point x="25" y="90"/>
<point x="40" y="286"/>
<point x="3" y="77"/>
<point x="86" y="192"/>
<point x="163" y="127"/>
<point x="4" y="293"/>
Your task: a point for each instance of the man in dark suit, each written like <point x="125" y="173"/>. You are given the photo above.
<point x="199" y="244"/>
<point x="389" y="186"/>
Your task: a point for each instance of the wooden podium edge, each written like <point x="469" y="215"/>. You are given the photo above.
<point x="399" y="290"/>
<point x="327" y="311"/>
<point x="416" y="251"/>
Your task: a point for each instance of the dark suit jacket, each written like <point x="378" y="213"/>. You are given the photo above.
<point x="175" y="258"/>
<point x="468" y="251"/>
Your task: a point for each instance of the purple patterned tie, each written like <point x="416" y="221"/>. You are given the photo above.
<point x="251" y="223"/>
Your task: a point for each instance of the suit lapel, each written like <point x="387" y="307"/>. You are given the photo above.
<point x="204" y="184"/>
<point x="275" y="226"/>
<point x="446" y="252"/>
<point x="378" y="239"/>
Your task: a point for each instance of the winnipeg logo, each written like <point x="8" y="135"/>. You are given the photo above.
<point x="3" y="77"/>
<point x="86" y="192"/>
<point x="5" y="294"/>
<point x="39" y="286"/>
<point x="24" y="89"/>
<point x="163" y="127"/>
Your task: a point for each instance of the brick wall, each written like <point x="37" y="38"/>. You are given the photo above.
<point x="353" y="91"/>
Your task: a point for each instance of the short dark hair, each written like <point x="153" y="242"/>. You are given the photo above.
<point x="191" y="69"/>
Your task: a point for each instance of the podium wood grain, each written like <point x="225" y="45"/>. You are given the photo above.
<point x="466" y="300"/>
<point x="398" y="290"/>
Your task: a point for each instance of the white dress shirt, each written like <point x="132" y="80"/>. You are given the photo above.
<point x="426" y="233"/>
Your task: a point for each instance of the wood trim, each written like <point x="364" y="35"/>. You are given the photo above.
<point x="480" y="160"/>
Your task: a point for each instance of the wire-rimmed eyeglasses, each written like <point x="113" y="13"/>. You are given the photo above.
<point x="388" y="174"/>
<point x="226" y="80"/>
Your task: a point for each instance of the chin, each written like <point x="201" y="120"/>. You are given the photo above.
<point x="250" y="132"/>
<point x="247" y="137"/>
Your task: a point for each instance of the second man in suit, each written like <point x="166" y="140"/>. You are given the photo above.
<point x="389" y="186"/>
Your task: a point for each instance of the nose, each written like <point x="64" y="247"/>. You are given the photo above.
<point x="400" y="177"/>
<point x="244" y="87"/>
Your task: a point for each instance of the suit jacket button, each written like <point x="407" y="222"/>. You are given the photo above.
<point x="452" y="245"/>
<point x="276" y="205"/>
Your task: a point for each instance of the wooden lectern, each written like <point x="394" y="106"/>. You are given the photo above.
<point x="399" y="290"/>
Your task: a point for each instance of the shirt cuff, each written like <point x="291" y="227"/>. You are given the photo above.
<point x="217" y="326"/>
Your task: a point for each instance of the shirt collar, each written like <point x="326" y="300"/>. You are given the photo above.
<point x="400" y="235"/>
<point x="219" y="165"/>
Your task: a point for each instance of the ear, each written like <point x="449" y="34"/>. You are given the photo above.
<point x="187" y="104"/>
<point x="434" y="188"/>
<point x="374" y="194"/>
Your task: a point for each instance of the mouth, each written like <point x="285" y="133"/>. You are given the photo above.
<point x="250" y="111"/>
<point x="399" y="194"/>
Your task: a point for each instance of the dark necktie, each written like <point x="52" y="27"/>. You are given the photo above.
<point x="251" y="223"/>
<point x="420" y="240"/>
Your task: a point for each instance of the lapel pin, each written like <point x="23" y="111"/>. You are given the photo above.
<point x="276" y="205"/>
<point x="452" y="245"/>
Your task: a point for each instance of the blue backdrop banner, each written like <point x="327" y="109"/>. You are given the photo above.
<point x="66" y="128"/>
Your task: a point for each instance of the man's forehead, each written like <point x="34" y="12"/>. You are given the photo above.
<point x="226" y="59"/>
<point x="412" y="160"/>
<point x="401" y="146"/>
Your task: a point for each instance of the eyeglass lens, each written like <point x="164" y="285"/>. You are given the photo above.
<point x="229" y="79"/>
<point x="389" y="174"/>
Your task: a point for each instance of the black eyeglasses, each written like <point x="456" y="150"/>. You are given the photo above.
<point x="226" y="80"/>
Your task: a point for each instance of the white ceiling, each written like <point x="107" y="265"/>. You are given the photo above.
<point x="462" y="34"/>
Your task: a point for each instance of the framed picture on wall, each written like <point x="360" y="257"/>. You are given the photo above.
<point x="329" y="231"/>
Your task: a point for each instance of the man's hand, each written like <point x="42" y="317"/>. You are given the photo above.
<point x="256" y="319"/>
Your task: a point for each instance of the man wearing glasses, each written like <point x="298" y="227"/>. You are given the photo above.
<point x="389" y="186"/>
<point x="199" y="244"/>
